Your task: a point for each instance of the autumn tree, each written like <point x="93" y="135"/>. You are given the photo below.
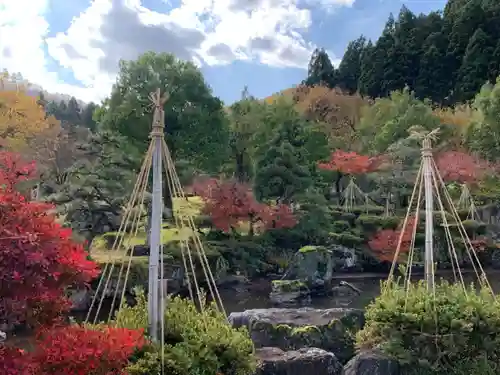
<point x="349" y="163"/>
<point x="230" y="203"/>
<point x="38" y="259"/>
<point x="461" y="167"/>
<point x="385" y="242"/>
<point x="22" y="119"/>
<point x="338" y="112"/>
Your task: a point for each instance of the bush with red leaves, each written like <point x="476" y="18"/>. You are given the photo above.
<point x="384" y="243"/>
<point x="78" y="350"/>
<point x="351" y="163"/>
<point x="230" y="203"/>
<point x="14" y="361"/>
<point x="38" y="259"/>
<point x="461" y="167"/>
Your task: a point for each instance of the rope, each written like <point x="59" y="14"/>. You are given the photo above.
<point x="118" y="239"/>
<point x="405" y="222"/>
<point x="201" y="252"/>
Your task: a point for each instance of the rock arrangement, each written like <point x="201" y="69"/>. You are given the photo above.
<point x="310" y="341"/>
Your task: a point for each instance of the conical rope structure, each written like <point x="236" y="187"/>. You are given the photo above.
<point x="353" y="195"/>
<point x="466" y="202"/>
<point x="430" y="189"/>
<point x="157" y="160"/>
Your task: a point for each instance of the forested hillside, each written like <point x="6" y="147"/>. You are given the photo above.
<point x="445" y="57"/>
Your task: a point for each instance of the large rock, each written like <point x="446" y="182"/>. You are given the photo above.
<point x="372" y="363"/>
<point x="332" y="330"/>
<point x="305" y="361"/>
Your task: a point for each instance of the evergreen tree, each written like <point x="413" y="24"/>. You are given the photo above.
<point x="282" y="173"/>
<point x="474" y="70"/>
<point x="431" y="81"/>
<point x="370" y="77"/>
<point x="320" y="70"/>
<point x="87" y="118"/>
<point x="349" y="71"/>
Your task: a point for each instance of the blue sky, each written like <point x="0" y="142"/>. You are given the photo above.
<point x="73" y="47"/>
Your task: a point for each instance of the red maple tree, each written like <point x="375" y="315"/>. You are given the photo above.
<point x="38" y="259"/>
<point x="78" y="350"/>
<point x="461" y="167"/>
<point x="384" y="243"/>
<point x="351" y="163"/>
<point x="229" y="203"/>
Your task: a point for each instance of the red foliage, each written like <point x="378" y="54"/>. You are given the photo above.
<point x="38" y="259"/>
<point x="351" y="163"/>
<point x="385" y="242"/>
<point x="230" y="202"/>
<point x="14" y="361"/>
<point x="279" y="216"/>
<point x="77" y="350"/>
<point x="461" y="167"/>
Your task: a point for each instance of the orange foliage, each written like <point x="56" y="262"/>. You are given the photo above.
<point x="385" y="242"/>
<point x="339" y="112"/>
<point x="351" y="163"/>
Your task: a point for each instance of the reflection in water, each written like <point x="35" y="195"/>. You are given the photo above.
<point x="257" y="297"/>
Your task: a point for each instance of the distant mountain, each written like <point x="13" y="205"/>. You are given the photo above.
<point x="10" y="83"/>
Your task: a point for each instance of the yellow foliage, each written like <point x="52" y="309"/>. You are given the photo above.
<point x="459" y="119"/>
<point x="22" y="120"/>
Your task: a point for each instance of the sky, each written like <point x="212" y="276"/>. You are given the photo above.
<point x="74" y="46"/>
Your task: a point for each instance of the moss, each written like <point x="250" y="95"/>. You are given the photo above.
<point x="305" y="330"/>
<point x="283" y="328"/>
<point x="288" y="285"/>
<point x="311" y="248"/>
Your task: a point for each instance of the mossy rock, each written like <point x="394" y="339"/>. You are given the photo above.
<point x="287" y="286"/>
<point x="332" y="330"/>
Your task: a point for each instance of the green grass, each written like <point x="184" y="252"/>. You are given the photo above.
<point x="101" y="254"/>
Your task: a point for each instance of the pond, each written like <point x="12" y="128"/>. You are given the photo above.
<point x="257" y="295"/>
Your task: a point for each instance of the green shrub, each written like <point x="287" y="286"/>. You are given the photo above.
<point x="439" y="333"/>
<point x="196" y="343"/>
<point x="373" y="223"/>
<point x="340" y="226"/>
<point x="474" y="227"/>
<point x="346" y="239"/>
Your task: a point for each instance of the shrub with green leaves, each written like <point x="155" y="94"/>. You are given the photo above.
<point x="196" y="342"/>
<point x="441" y="333"/>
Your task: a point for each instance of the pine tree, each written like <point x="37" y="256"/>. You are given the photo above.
<point x="349" y="71"/>
<point x="321" y="70"/>
<point x="473" y="72"/>
<point x="282" y="172"/>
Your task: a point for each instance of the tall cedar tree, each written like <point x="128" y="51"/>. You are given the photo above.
<point x="320" y="70"/>
<point x="349" y="70"/>
<point x="473" y="72"/>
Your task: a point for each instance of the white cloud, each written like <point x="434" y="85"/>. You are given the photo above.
<point x="205" y="31"/>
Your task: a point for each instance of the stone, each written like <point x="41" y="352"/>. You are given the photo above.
<point x="332" y="330"/>
<point x="274" y="361"/>
<point x="80" y="299"/>
<point x="372" y="363"/>
<point x="288" y="292"/>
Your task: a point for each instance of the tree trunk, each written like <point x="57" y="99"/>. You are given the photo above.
<point x="168" y="202"/>
<point x="241" y="175"/>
